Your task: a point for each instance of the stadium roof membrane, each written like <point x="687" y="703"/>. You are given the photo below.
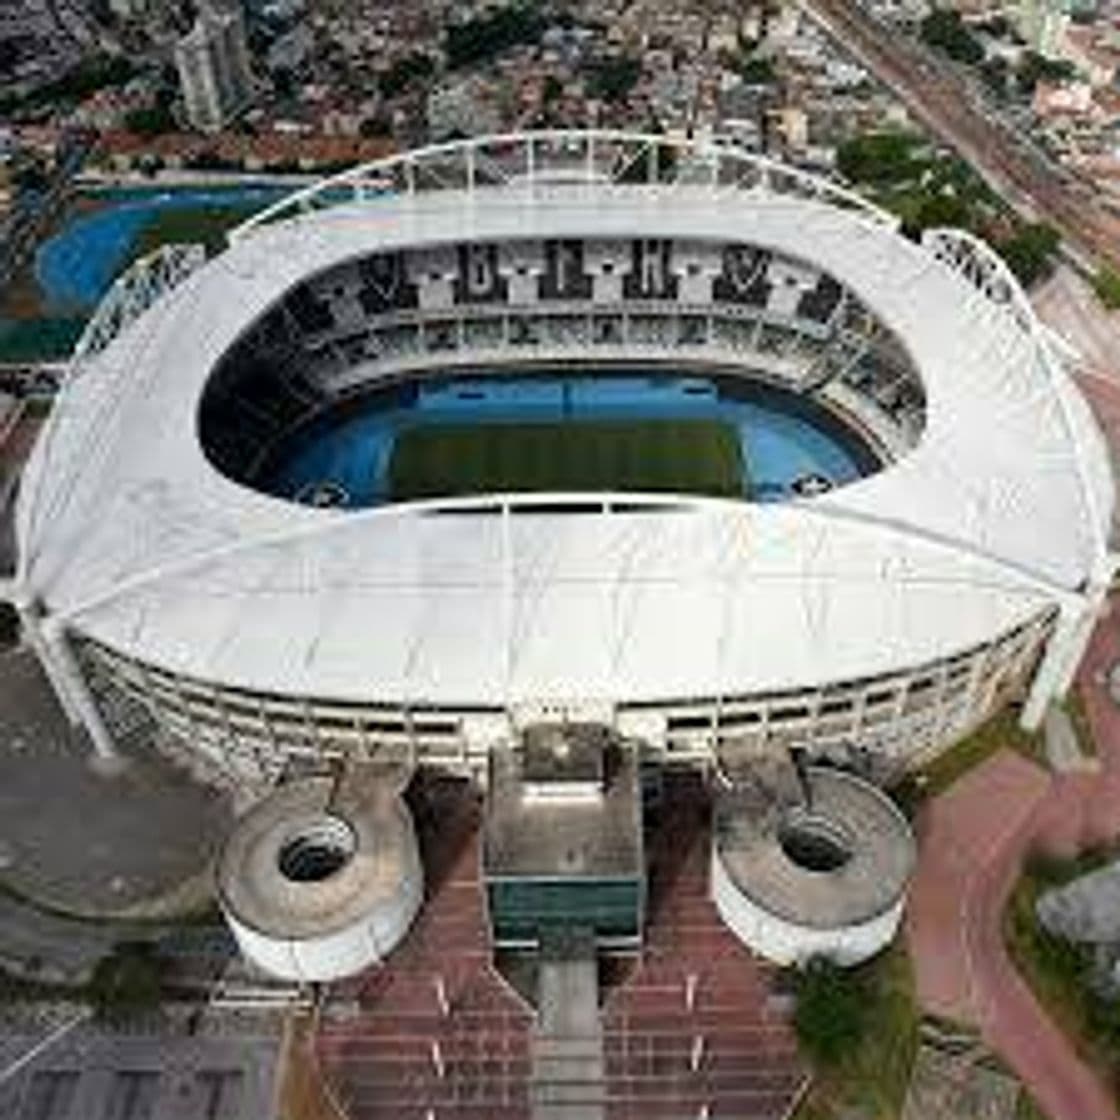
<point x="131" y="535"/>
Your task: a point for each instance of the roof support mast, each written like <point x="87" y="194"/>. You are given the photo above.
<point x="48" y="639"/>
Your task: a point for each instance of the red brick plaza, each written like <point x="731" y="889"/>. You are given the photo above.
<point x="693" y="1022"/>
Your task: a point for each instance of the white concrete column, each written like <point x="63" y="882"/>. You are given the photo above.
<point x="1059" y="662"/>
<point x="31" y="623"/>
<point x="1080" y="641"/>
<point x="73" y="685"/>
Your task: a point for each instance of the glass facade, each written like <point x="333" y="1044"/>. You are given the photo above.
<point x="528" y="909"/>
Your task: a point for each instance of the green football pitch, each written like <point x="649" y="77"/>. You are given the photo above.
<point x="683" y="456"/>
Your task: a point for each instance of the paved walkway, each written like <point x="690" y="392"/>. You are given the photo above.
<point x="960" y="835"/>
<point x="396" y="1045"/>
<point x="171" y="1067"/>
<point x="395" y="1053"/>
<point x="1068" y="304"/>
<point x="1063" y="748"/>
<point x="87" y="845"/>
<point x="695" y="981"/>
<point x="567" y="1042"/>
<point x="973" y="841"/>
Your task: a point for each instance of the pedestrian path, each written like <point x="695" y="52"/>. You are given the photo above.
<point x="973" y="841"/>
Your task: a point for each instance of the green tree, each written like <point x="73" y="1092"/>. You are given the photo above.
<point x="1029" y="251"/>
<point x="284" y="82"/>
<point x="126" y="983"/>
<point x="1106" y="283"/>
<point x="611" y="79"/>
<point x="994" y="72"/>
<point x="829" y="1017"/>
<point x="1034" y="68"/>
<point x="488" y="35"/>
<point x="89" y="76"/>
<point x="405" y="71"/>
<point x="757" y="71"/>
<point x="879" y="158"/>
<point x="933" y="210"/>
<point x="944" y="29"/>
<point x="102" y="13"/>
<point x="151" y="120"/>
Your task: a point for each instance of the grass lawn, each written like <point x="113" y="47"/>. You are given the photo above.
<point x="872" y="1076"/>
<point x="206" y="225"/>
<point x="37" y="340"/>
<point x="688" y="456"/>
<point x="1106" y="284"/>
<point x="1028" y="1108"/>
<point x="1058" y="970"/>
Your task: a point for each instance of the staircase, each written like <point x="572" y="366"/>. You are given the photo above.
<point x="566" y="1050"/>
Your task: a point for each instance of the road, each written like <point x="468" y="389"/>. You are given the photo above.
<point x="943" y="103"/>
<point x="1069" y="305"/>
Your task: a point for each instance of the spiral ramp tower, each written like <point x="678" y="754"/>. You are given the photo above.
<point x="809" y="862"/>
<point x="322" y="879"/>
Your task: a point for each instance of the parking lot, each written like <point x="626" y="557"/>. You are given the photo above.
<point x="179" y="1068"/>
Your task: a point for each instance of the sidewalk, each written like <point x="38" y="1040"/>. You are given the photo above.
<point x="972" y="842"/>
<point x="75" y="845"/>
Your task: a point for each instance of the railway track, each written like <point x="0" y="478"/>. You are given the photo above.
<point x="943" y="103"/>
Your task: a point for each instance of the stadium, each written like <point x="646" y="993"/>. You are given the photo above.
<point x="560" y="464"/>
<point x="557" y="540"/>
<point x="587" y="427"/>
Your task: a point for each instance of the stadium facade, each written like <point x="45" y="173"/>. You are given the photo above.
<point x="161" y="574"/>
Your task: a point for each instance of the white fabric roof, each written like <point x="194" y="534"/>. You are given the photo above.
<point x="133" y="535"/>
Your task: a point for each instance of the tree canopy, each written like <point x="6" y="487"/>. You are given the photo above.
<point x="91" y="74"/>
<point x="126" y="983"/>
<point x="489" y="34"/>
<point x="404" y="72"/>
<point x="829" y="1018"/>
<point x="880" y="158"/>
<point x="1106" y="283"/>
<point x="1030" y="250"/>
<point x="611" y="79"/>
<point x="944" y="29"/>
<point x="1034" y="68"/>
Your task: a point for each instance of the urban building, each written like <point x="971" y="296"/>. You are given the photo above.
<point x="214" y="71"/>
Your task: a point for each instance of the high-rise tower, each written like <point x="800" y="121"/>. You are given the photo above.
<point x="213" y="63"/>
